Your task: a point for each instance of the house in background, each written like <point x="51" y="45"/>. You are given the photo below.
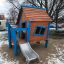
<point x="2" y="22"/>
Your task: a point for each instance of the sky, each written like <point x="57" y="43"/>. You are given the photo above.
<point x="5" y="6"/>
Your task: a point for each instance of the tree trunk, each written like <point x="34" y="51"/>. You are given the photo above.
<point x="56" y="25"/>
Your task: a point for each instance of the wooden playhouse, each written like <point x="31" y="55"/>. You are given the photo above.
<point x="38" y="20"/>
<point x="32" y="26"/>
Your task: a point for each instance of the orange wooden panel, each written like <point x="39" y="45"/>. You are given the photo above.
<point x="37" y="38"/>
<point x="31" y="14"/>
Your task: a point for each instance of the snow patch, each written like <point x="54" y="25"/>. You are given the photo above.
<point x="57" y="58"/>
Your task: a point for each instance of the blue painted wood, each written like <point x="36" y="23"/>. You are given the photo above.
<point x="15" y="41"/>
<point x="14" y="30"/>
<point x="19" y="34"/>
<point x="42" y="26"/>
<point x="46" y="43"/>
<point x="9" y="35"/>
<point x="48" y="27"/>
<point x="40" y="34"/>
<point x="33" y="7"/>
<point x="12" y="35"/>
<point x="48" y="30"/>
<point x="28" y="31"/>
<point x="20" y="29"/>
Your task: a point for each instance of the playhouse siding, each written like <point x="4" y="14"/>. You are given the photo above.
<point x="37" y="38"/>
<point x="36" y="17"/>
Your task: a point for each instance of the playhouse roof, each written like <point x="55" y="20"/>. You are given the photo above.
<point x="34" y="14"/>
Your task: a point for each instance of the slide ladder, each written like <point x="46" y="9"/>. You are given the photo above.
<point x="28" y="52"/>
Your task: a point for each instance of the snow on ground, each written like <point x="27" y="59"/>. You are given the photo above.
<point x="3" y="38"/>
<point x="52" y="58"/>
<point x="60" y="29"/>
<point x="6" y="60"/>
<point x="4" y="57"/>
<point x="57" y="58"/>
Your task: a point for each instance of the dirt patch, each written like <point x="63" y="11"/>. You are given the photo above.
<point x="54" y="54"/>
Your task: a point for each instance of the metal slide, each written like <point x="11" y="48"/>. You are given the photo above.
<point x="28" y="52"/>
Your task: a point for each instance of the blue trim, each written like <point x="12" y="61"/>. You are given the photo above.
<point x="15" y="41"/>
<point x="33" y="7"/>
<point x="48" y="26"/>
<point x="39" y="34"/>
<point x="12" y="35"/>
<point x="14" y="30"/>
<point x="46" y="43"/>
<point x="9" y="34"/>
<point x="28" y="31"/>
<point x="48" y="30"/>
<point x="41" y="26"/>
<point x="20" y="29"/>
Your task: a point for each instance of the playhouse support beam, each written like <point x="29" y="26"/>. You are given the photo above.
<point x="9" y="35"/>
<point x="28" y="31"/>
<point x="15" y="41"/>
<point x="46" y="41"/>
<point x="13" y="34"/>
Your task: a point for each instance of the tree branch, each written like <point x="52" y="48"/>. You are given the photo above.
<point x="32" y="3"/>
<point x="54" y="2"/>
<point x="13" y="4"/>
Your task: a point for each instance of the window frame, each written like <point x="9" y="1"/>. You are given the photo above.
<point x="40" y="29"/>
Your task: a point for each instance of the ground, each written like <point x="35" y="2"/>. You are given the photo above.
<point x="54" y="54"/>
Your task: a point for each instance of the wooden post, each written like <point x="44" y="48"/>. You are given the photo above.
<point x="15" y="41"/>
<point x="9" y="35"/>
<point x="46" y="41"/>
<point x="28" y="32"/>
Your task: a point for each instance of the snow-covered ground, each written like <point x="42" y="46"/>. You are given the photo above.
<point x="57" y="58"/>
<point x="54" y="54"/>
<point x="59" y="29"/>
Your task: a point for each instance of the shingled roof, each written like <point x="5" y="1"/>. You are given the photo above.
<point x="34" y="14"/>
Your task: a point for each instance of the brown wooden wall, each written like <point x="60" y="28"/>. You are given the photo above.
<point x="37" y="38"/>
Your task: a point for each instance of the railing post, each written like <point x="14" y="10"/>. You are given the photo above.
<point x="46" y="42"/>
<point x="15" y="41"/>
<point x="9" y="35"/>
<point x="28" y="32"/>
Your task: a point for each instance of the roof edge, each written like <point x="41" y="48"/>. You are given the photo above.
<point x="33" y="7"/>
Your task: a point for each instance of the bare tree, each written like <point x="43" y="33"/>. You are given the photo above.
<point x="54" y="7"/>
<point x="13" y="15"/>
<point x="14" y="3"/>
<point x="14" y="10"/>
